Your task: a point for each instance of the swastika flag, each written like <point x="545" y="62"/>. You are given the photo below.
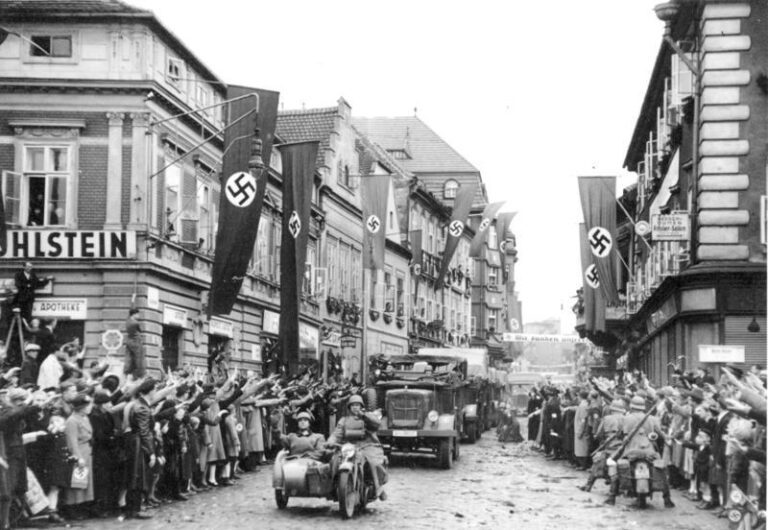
<point x="461" y="206"/>
<point x="489" y="215"/>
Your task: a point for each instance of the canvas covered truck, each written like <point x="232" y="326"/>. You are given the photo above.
<point x="418" y="396"/>
<point x="475" y="394"/>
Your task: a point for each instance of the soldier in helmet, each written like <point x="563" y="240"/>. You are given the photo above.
<point x="608" y="435"/>
<point x="304" y="442"/>
<point x="359" y="427"/>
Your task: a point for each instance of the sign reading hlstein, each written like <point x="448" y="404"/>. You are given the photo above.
<point x="70" y="244"/>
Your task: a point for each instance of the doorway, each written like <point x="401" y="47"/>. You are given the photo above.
<point x="170" y="353"/>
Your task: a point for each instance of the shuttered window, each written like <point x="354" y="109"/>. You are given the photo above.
<point x="737" y="334"/>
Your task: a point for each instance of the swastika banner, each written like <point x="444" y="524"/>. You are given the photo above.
<point x="489" y="214"/>
<point x="593" y="302"/>
<point x="375" y="193"/>
<point x="242" y="193"/>
<point x="298" y="171"/>
<point x="461" y="205"/>
<point x="598" y="202"/>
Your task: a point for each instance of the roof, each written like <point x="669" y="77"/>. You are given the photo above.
<point x="69" y="11"/>
<point x="306" y="125"/>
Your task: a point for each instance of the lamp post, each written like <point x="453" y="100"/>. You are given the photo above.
<point x="667" y="12"/>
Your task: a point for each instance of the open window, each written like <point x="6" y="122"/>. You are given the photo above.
<point x="450" y="188"/>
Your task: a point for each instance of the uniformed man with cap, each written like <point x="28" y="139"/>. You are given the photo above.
<point x="608" y="435"/>
<point x="304" y="442"/>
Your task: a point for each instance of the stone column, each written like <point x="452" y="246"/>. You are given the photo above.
<point x="114" y="170"/>
<point x="139" y="203"/>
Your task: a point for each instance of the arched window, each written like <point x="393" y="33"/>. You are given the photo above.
<point x="449" y="189"/>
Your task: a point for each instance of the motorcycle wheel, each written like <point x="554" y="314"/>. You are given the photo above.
<point x="281" y="499"/>
<point x="347" y="496"/>
<point x="445" y="454"/>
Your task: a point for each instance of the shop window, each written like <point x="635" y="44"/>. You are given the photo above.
<point x="50" y="46"/>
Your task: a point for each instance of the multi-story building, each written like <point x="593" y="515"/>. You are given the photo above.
<point x="699" y="150"/>
<point x="114" y="197"/>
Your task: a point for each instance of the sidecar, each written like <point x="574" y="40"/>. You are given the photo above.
<point x="300" y="476"/>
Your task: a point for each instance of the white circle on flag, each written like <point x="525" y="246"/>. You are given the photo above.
<point x="456" y="228"/>
<point x="484" y="225"/>
<point x="294" y="224"/>
<point x="417" y="269"/>
<point x="240" y="189"/>
<point x="590" y="274"/>
<point x="503" y="246"/>
<point x="373" y="224"/>
<point x="600" y="241"/>
<point x="642" y="228"/>
<point x="514" y="325"/>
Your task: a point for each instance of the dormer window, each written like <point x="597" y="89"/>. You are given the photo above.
<point x="449" y="189"/>
<point x="50" y="46"/>
<point x="174" y="71"/>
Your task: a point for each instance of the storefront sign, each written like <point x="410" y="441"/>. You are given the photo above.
<point x="349" y="342"/>
<point x="174" y="316"/>
<point x="721" y="353"/>
<point x="271" y="322"/>
<point x="333" y="339"/>
<point x="221" y="327"/>
<point x="70" y="244"/>
<point x="352" y="332"/>
<point x="531" y="337"/>
<point x="256" y="352"/>
<point x="63" y="308"/>
<point x="670" y="227"/>
<point x="153" y="298"/>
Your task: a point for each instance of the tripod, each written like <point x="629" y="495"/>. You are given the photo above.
<point x="15" y="323"/>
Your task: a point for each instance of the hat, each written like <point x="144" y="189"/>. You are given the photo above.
<point x="31" y="346"/>
<point x="101" y="396"/>
<point x="147" y="386"/>
<point x="168" y="404"/>
<point x="81" y="400"/>
<point x="637" y="403"/>
<point x="303" y="415"/>
<point x="355" y="399"/>
<point x="617" y="405"/>
<point x="111" y="382"/>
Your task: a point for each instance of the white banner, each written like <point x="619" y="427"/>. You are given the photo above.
<point x="721" y="353"/>
<point x="532" y="337"/>
<point x="174" y="316"/>
<point x="63" y="308"/>
<point x="67" y="244"/>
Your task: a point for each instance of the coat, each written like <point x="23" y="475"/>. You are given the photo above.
<point x="581" y="430"/>
<point x="79" y="436"/>
<point x="140" y="445"/>
<point x="211" y="419"/>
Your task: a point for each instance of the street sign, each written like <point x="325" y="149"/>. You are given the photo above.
<point x="671" y="227"/>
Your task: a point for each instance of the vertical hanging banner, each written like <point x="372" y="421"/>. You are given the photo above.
<point x="299" y="161"/>
<point x="417" y="258"/>
<point x="375" y="194"/>
<point x="461" y="206"/>
<point x="598" y="202"/>
<point x="594" y="302"/>
<point x="242" y="192"/>
<point x="502" y="230"/>
<point x="489" y="214"/>
<point x="3" y="227"/>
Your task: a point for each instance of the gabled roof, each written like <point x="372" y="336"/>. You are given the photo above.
<point x="306" y="125"/>
<point x="429" y="153"/>
<point x="70" y="11"/>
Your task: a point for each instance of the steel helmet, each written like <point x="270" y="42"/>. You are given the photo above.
<point x="637" y="403"/>
<point x="617" y="405"/>
<point x="355" y="399"/>
<point x="304" y="415"/>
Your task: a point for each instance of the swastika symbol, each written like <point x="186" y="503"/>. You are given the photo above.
<point x="294" y="224"/>
<point x="514" y="325"/>
<point x="590" y="274"/>
<point x="484" y="225"/>
<point x="417" y="269"/>
<point x="600" y="241"/>
<point x="240" y="189"/>
<point x="373" y="224"/>
<point x="456" y="228"/>
<point x="503" y="246"/>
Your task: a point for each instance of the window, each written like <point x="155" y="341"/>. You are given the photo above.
<point x="356" y="285"/>
<point x="172" y="195"/>
<point x="400" y="294"/>
<point x="492" y="319"/>
<point x="174" y="71"/>
<point x="204" y="99"/>
<point x="492" y="238"/>
<point x="344" y="269"/>
<point x="261" y="258"/>
<point x="332" y="257"/>
<point x="50" y="46"/>
<point x="38" y="197"/>
<point x="389" y="292"/>
<point x="450" y="188"/>
<point x="493" y="276"/>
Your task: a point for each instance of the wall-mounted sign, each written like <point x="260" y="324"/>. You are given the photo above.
<point x="217" y="326"/>
<point x="670" y="227"/>
<point x="309" y="339"/>
<point x="61" y="308"/>
<point x="112" y="340"/>
<point x="174" y="316"/>
<point x="70" y="244"/>
<point x="256" y="352"/>
<point x="153" y="298"/>
<point x="333" y="339"/>
<point x="271" y="322"/>
<point x="349" y="342"/>
<point x="532" y="337"/>
<point x="721" y="353"/>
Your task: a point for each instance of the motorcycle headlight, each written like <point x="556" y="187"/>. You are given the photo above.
<point x="347" y="450"/>
<point x="737" y="497"/>
<point x="432" y="416"/>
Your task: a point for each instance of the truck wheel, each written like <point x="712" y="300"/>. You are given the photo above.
<point x="371" y="399"/>
<point x="456" y="451"/>
<point x="471" y="430"/>
<point x="347" y="496"/>
<point x="281" y="499"/>
<point x="445" y="454"/>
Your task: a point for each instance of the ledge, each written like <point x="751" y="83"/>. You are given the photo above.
<point x="47" y="122"/>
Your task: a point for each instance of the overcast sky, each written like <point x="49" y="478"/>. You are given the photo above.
<point x="532" y="93"/>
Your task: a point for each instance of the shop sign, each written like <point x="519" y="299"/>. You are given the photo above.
<point x="333" y="339"/>
<point x="721" y="353"/>
<point x="256" y="352"/>
<point x="174" y="316"/>
<point x="61" y="308"/>
<point x="349" y="342"/>
<point x="670" y="227"/>
<point x="271" y="322"/>
<point x="309" y="338"/>
<point x="352" y="332"/>
<point x="224" y="328"/>
<point x="532" y="337"/>
<point x="70" y="244"/>
<point x="153" y="298"/>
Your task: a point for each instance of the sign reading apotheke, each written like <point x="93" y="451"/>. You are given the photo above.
<point x="671" y="227"/>
<point x="224" y="328"/>
<point x="61" y="308"/>
<point x="70" y="244"/>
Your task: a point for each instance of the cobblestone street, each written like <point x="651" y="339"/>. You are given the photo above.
<point x="492" y="486"/>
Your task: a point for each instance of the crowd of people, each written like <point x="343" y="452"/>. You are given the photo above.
<point x="707" y="436"/>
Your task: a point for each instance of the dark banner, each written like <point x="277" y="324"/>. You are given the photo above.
<point x="598" y="202"/>
<point x="417" y="260"/>
<point x="299" y="161"/>
<point x="375" y="192"/>
<point x="489" y="214"/>
<point x="3" y="228"/>
<point x="242" y="193"/>
<point x="461" y="207"/>
<point x="593" y="302"/>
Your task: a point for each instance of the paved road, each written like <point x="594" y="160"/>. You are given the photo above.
<point x="493" y="486"/>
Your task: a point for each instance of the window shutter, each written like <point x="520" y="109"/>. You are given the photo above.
<point x="189" y="218"/>
<point x="12" y="198"/>
<point x="736" y="333"/>
<point x="160" y="198"/>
